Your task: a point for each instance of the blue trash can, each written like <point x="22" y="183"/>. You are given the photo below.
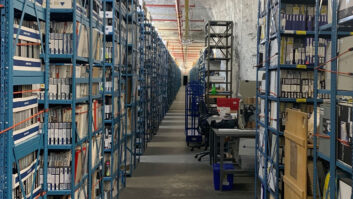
<point x="216" y="175"/>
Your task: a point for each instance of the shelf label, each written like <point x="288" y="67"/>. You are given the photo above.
<point x="351" y="33"/>
<point x="301" y="66"/>
<point x="300" y="100"/>
<point x="301" y="32"/>
<point x="42" y="86"/>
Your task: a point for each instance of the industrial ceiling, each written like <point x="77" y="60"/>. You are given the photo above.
<point x="180" y="23"/>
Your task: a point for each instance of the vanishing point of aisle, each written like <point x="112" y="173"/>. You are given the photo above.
<point x="168" y="169"/>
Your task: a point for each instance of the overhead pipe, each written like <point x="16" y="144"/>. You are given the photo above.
<point x="178" y="15"/>
<point x="174" y="29"/>
<point x="186" y="19"/>
<point x="174" y="20"/>
<point x="166" y="5"/>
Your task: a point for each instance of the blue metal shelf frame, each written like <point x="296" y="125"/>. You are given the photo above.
<point x="90" y="23"/>
<point x="140" y="139"/>
<point x="39" y="142"/>
<point x="116" y="37"/>
<point x="334" y="35"/>
<point x="269" y="131"/>
<point x="130" y="76"/>
<point x="11" y="153"/>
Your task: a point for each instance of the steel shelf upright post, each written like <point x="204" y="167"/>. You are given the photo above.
<point x="130" y="77"/>
<point x="114" y="122"/>
<point x="3" y="99"/>
<point x="339" y="28"/>
<point x="141" y="102"/>
<point x="11" y="76"/>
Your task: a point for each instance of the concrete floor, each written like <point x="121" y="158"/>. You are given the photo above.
<point x="168" y="169"/>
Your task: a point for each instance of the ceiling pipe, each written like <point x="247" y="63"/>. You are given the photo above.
<point x="166" y="5"/>
<point x="174" y="29"/>
<point x="174" y="20"/>
<point x="178" y="14"/>
<point x="186" y="19"/>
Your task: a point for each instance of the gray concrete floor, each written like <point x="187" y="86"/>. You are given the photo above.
<point x="168" y="169"/>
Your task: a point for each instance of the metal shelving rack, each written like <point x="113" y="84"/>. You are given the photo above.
<point x="268" y="161"/>
<point x="164" y="82"/>
<point x="202" y="69"/>
<point x="90" y="22"/>
<point x="140" y="141"/>
<point x="174" y="83"/>
<point x="219" y="37"/>
<point x="115" y="67"/>
<point x="148" y="56"/>
<point x="154" y="84"/>
<point x="129" y="77"/>
<point x="337" y="29"/>
<point x="148" y="70"/>
<point x="9" y="78"/>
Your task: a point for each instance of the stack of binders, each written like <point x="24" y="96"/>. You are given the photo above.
<point x="59" y="170"/>
<point x="81" y="121"/>
<point x="300" y="51"/>
<point x="27" y="53"/>
<point x="296" y="84"/>
<point x="301" y="17"/>
<point x="29" y="169"/>
<point x="61" y="39"/>
<point x="24" y="108"/>
<point x="59" y="126"/>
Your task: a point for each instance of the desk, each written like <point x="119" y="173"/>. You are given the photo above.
<point x="211" y="136"/>
<point x="222" y="134"/>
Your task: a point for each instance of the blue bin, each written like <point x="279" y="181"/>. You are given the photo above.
<point x="216" y="175"/>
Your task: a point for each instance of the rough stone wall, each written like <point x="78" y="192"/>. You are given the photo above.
<point x="244" y="15"/>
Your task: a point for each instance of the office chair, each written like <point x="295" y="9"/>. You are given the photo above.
<point x="204" y="130"/>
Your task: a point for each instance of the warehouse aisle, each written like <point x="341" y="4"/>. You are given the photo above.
<point x="168" y="169"/>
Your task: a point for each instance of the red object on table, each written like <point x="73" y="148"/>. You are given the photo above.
<point x="232" y="103"/>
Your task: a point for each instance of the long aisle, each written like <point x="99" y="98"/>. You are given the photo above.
<point x="169" y="170"/>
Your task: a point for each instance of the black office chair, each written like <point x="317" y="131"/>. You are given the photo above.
<point x="204" y="129"/>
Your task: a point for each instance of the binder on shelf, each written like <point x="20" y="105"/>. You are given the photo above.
<point x="81" y="121"/>
<point x="97" y="121"/>
<point x="28" y="31"/>
<point x="61" y="39"/>
<point x="29" y="168"/>
<point x="59" y="170"/>
<point x="81" y="162"/>
<point x="97" y="7"/>
<point x="108" y="138"/>
<point x="96" y="150"/>
<point x="24" y="108"/>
